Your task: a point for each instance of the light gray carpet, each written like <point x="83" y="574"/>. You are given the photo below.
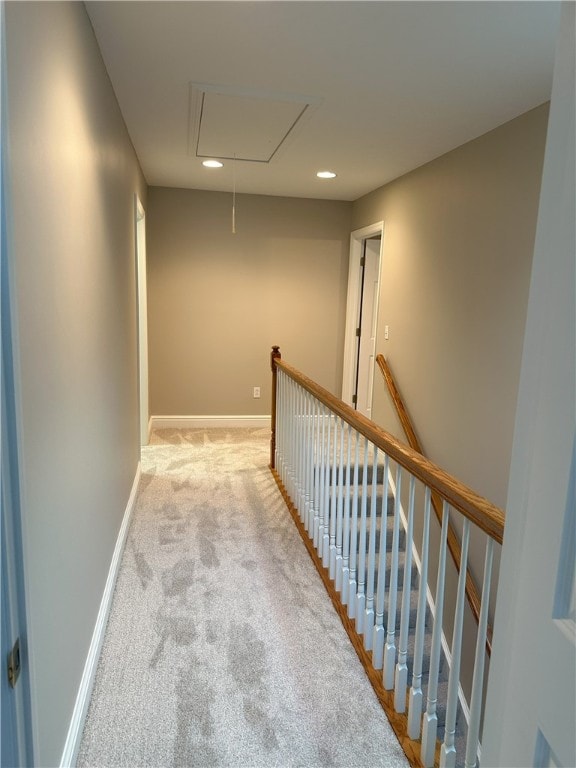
<point x="222" y="647"/>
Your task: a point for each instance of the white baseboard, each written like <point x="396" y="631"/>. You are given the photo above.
<point x="191" y="422"/>
<point x="72" y="745"/>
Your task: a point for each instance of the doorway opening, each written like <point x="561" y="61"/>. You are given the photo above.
<point x="362" y="317"/>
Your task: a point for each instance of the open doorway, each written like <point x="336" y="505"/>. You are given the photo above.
<point x="362" y="317"/>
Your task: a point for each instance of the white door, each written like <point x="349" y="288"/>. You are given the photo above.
<point x="367" y="326"/>
<point x="531" y="703"/>
<point x="362" y="302"/>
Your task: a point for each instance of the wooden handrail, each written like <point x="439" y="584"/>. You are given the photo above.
<point x="399" y="404"/>
<point x="485" y="515"/>
<point x="472" y="593"/>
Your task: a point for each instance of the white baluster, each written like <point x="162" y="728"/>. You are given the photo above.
<point x="295" y="445"/>
<point x="369" y="612"/>
<point x="330" y="555"/>
<point x="301" y="437"/>
<point x="280" y="406"/>
<point x="378" y="633"/>
<point x="448" y="748"/>
<point x="297" y="448"/>
<point x="315" y="466"/>
<point x="303" y="421"/>
<point x="430" y="722"/>
<point x="361" y="595"/>
<point x="300" y="458"/>
<point x="390" y="650"/>
<point x="278" y="425"/>
<point x="307" y="438"/>
<point x="401" y="681"/>
<point x="315" y="469"/>
<point x="415" y="699"/>
<point x="309" y="447"/>
<point x="471" y="760"/>
<point x="290" y="442"/>
<point x="285" y="396"/>
<point x="327" y="493"/>
<point x="286" y="431"/>
<point x="311" y="462"/>
<point x="345" y="569"/>
<point x="354" y="533"/>
<point x="319" y="519"/>
<point x="336" y="570"/>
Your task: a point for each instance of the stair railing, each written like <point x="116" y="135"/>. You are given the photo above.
<point x="471" y="589"/>
<point x="334" y="468"/>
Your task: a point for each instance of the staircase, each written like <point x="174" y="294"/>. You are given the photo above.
<point x="357" y="495"/>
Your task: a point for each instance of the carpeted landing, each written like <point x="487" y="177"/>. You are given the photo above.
<point x="222" y="647"/>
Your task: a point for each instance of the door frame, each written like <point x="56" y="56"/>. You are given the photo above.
<point x="357" y="239"/>
<point x="18" y="735"/>
<point x="142" y="301"/>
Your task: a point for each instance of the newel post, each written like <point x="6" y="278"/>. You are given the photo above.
<point x="274" y="355"/>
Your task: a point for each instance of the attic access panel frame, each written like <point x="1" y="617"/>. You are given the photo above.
<point x="244" y="124"/>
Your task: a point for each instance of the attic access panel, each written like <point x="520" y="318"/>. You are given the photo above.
<point x="245" y="124"/>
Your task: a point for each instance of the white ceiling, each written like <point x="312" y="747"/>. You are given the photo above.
<point x="391" y="85"/>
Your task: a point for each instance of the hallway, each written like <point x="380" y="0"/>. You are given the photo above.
<point x="222" y="647"/>
<point x="474" y="235"/>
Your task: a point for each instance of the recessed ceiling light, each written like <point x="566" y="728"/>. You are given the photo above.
<point x="212" y="163"/>
<point x="326" y="175"/>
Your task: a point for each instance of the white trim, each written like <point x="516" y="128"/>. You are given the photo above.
<point x="72" y="744"/>
<point x="191" y="422"/>
<point x="352" y="304"/>
<point x="140" y="244"/>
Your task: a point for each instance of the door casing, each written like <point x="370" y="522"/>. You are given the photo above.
<point x="357" y="240"/>
<point x="140" y="227"/>
<point x="16" y="703"/>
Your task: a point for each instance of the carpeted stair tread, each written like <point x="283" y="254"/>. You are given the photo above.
<point x="334" y="476"/>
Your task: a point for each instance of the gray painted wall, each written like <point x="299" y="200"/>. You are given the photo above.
<point x="74" y="175"/>
<point x="218" y="301"/>
<point x="457" y="254"/>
